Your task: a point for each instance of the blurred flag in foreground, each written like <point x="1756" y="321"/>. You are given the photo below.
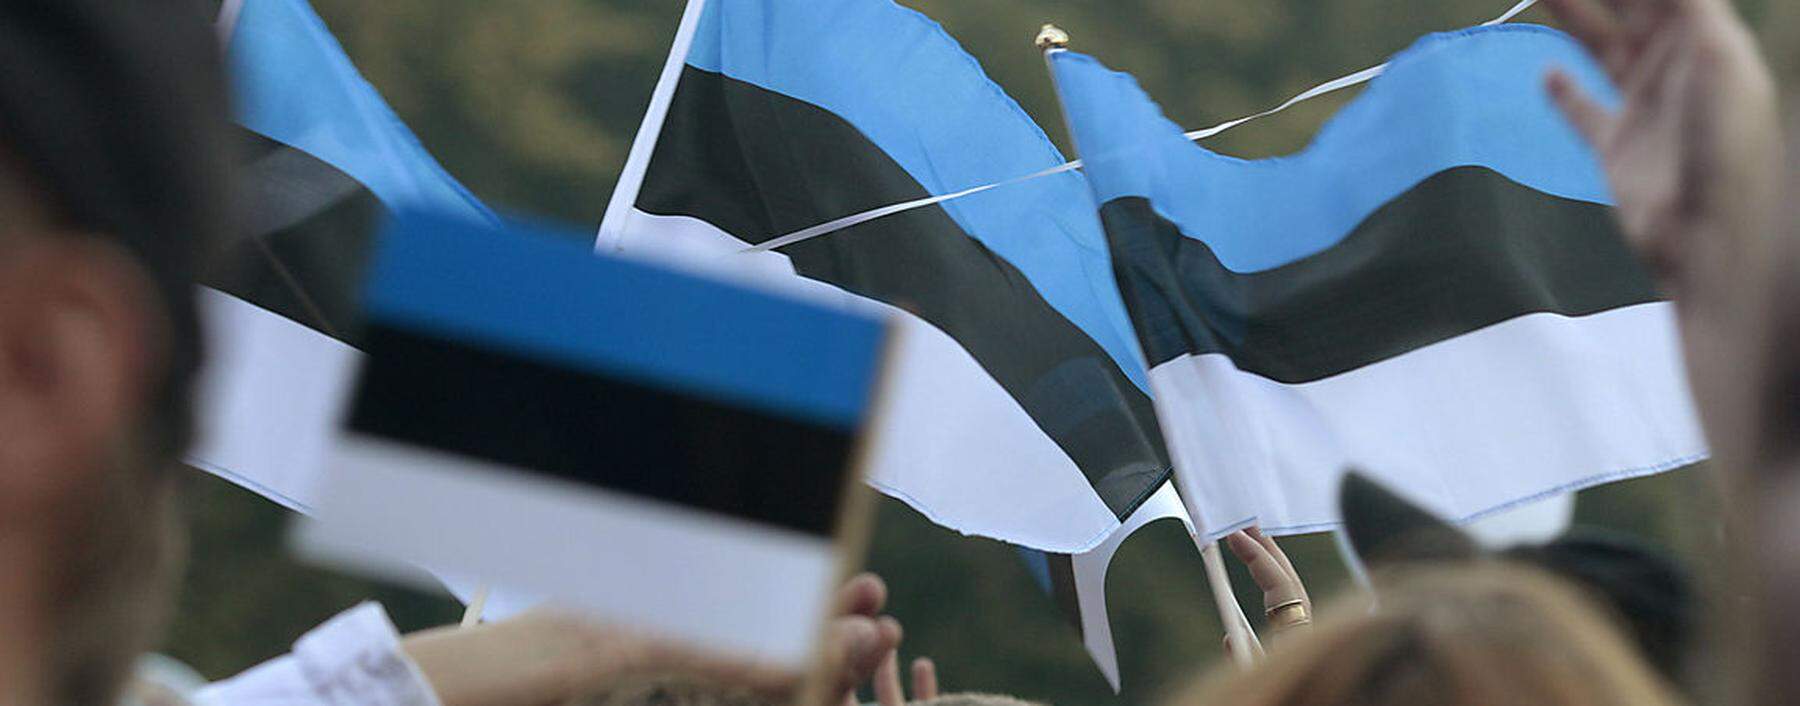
<point x="324" y="158"/>
<point x="582" y="427"/>
<point x="1020" y="408"/>
<point x="1433" y="290"/>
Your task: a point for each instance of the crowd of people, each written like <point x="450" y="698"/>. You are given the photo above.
<point x="115" y="181"/>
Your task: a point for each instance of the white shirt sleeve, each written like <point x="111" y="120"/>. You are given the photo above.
<point x="353" y="659"/>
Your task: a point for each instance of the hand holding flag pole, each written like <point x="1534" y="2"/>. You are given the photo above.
<point x="1241" y="643"/>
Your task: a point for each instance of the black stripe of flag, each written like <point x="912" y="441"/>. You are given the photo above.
<point x="1464" y="249"/>
<point x="666" y="451"/>
<point x="756" y="163"/>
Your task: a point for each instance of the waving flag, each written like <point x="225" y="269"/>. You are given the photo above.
<point x="545" y="425"/>
<point x="1433" y="290"/>
<point x="1020" y="410"/>
<point x="324" y="158"/>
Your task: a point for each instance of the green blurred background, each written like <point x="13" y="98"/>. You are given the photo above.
<point x="533" y="104"/>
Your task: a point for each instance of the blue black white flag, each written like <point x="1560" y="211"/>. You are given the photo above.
<point x="582" y="427"/>
<point x="1020" y="410"/>
<point x="324" y="158"/>
<point x="1019" y="407"/>
<point x="1434" y="290"/>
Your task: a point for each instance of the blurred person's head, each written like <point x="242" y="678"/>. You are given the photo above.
<point x="696" y="690"/>
<point x="112" y="159"/>
<point x="1642" y="587"/>
<point x="975" y="698"/>
<point x="676" y="690"/>
<point x="1482" y="635"/>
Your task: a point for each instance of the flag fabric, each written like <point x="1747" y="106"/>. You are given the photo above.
<point x="1020" y="410"/>
<point x="521" y="392"/>
<point x="324" y="158"/>
<point x="1077" y="582"/>
<point x="1434" y="290"/>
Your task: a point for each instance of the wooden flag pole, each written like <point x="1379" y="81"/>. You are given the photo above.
<point x="1240" y="637"/>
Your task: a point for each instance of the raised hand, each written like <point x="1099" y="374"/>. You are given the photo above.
<point x="888" y="691"/>
<point x="1694" y="155"/>
<point x="1694" y="152"/>
<point x="862" y="639"/>
<point x="1285" y="602"/>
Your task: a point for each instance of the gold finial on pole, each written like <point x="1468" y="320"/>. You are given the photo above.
<point x="1052" y="37"/>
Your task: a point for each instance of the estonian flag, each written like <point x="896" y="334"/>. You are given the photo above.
<point x="1434" y="290"/>
<point x="581" y="427"/>
<point x="324" y="159"/>
<point x="1020" y="410"/>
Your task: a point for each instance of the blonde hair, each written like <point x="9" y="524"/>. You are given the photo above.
<point x="1485" y="635"/>
<point x="975" y="698"/>
<point x="674" y="690"/>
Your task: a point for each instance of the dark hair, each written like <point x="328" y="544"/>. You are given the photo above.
<point x="1642" y="587"/>
<point x="1648" y="592"/>
<point x="117" y="108"/>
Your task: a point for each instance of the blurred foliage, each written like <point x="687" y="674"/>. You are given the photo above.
<point x="533" y="104"/>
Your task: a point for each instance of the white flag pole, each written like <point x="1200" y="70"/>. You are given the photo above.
<point x="226" y="25"/>
<point x="1353" y="563"/>
<point x="1241" y="639"/>
<point x="1245" y="648"/>
<point x="477" y="606"/>
<point x="631" y="180"/>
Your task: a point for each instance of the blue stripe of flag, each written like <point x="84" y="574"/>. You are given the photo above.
<point x="908" y="86"/>
<point x="545" y="296"/>
<point x="1468" y="98"/>
<point x="294" y="84"/>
